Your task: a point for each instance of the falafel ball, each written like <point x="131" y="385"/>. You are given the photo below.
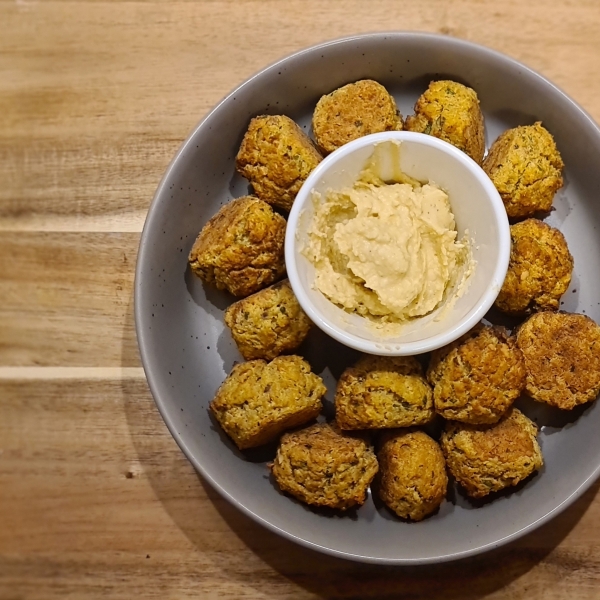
<point x="383" y="392"/>
<point x="562" y="358"/>
<point x="322" y="466"/>
<point x="259" y="400"/>
<point x="477" y="378"/>
<point x="539" y="271"/>
<point x="276" y="156"/>
<point x="489" y="458"/>
<point x="526" y="167"/>
<point x="413" y="474"/>
<point x="241" y="248"/>
<point x="268" y="323"/>
<point x="353" y="111"/>
<point x="450" y="111"/>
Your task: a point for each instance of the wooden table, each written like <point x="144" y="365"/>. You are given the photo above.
<point x="96" y="499"/>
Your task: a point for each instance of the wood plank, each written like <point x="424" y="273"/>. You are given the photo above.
<point x="67" y="299"/>
<point x="95" y="104"/>
<point x="98" y="500"/>
<point x="74" y="183"/>
<point x="80" y="373"/>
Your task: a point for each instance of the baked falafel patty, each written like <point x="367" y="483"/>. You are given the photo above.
<point x="562" y="358"/>
<point x="276" y="156"/>
<point x="477" y="378"/>
<point x="489" y="458"/>
<point x="539" y="271"/>
<point x="526" y="167"/>
<point x="450" y="111"/>
<point x="322" y="466"/>
<point x="259" y="400"/>
<point x="268" y="323"/>
<point x="241" y="249"/>
<point x="413" y="474"/>
<point x="353" y="111"/>
<point x="382" y="392"/>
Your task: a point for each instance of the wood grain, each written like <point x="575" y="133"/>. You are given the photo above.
<point x="67" y="299"/>
<point x="96" y="499"/>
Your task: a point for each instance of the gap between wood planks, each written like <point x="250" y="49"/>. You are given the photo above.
<point x="29" y="373"/>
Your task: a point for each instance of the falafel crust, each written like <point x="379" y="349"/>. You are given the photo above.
<point x="539" y="271"/>
<point x="562" y="358"/>
<point x="259" y="400"/>
<point x="276" y="156"/>
<point x="477" y="378"/>
<point x="241" y="248"/>
<point x="413" y="475"/>
<point x="353" y="111"/>
<point x="268" y="323"/>
<point x="489" y="458"/>
<point x="526" y="167"/>
<point x="450" y="111"/>
<point x="322" y="466"/>
<point x="382" y="392"/>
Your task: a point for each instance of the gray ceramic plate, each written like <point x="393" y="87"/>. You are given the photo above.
<point x="187" y="351"/>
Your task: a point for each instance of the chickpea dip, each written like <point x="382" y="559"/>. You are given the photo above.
<point x="388" y="251"/>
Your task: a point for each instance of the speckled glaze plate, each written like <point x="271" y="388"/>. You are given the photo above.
<point x="187" y="351"/>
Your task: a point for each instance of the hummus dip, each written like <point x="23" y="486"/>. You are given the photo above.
<point x="387" y="251"/>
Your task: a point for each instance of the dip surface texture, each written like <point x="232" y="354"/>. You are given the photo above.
<point x="387" y="251"/>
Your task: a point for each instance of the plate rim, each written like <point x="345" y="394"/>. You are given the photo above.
<point x="141" y="330"/>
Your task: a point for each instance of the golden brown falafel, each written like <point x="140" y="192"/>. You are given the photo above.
<point x="276" y="156"/>
<point x="539" y="271"/>
<point x="383" y="392"/>
<point x="353" y="111"/>
<point x="489" y="458"/>
<point x="241" y="248"/>
<point x="562" y="358"/>
<point x="478" y="377"/>
<point x="259" y="400"/>
<point x="322" y="466"/>
<point x="268" y="323"/>
<point x="526" y="167"/>
<point x="413" y="474"/>
<point x="450" y="111"/>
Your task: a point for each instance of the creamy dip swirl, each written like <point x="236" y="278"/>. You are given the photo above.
<point x="388" y="251"/>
